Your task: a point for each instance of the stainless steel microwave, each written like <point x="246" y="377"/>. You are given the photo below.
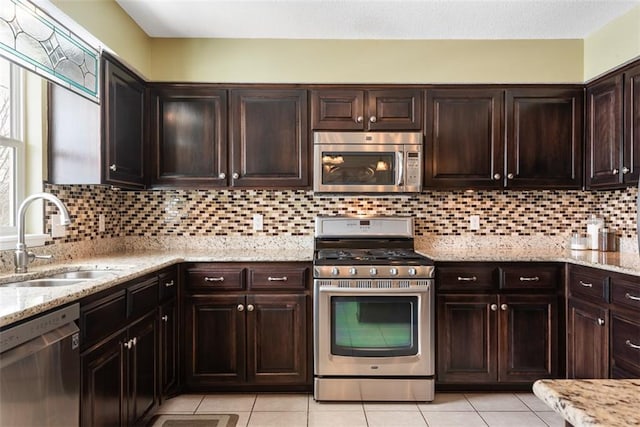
<point x="367" y="162"/>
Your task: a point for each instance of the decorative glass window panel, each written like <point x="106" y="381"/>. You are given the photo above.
<point x="34" y="40"/>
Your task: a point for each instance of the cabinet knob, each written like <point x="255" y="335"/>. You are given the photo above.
<point x="240" y="307"/>
<point x="373" y="119"/>
<point x="250" y="307"/>
<point x="625" y="170"/>
<point x="127" y="345"/>
<point x="359" y="119"/>
<point x="113" y="167"/>
<point x="600" y="321"/>
<point x="134" y="341"/>
<point x="222" y="175"/>
<point x="165" y="318"/>
<point x="614" y="172"/>
<point x="235" y="175"/>
<point x="494" y="307"/>
<point x="496" y="176"/>
<point x="510" y="176"/>
<point x="504" y="307"/>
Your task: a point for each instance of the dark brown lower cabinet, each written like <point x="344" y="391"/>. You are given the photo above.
<point x="238" y="340"/>
<point x="487" y="339"/>
<point x="168" y="357"/>
<point x="625" y="345"/>
<point x="118" y="376"/>
<point x="587" y="340"/>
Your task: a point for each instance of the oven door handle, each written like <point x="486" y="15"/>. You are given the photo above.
<point x="400" y="161"/>
<point x="330" y="290"/>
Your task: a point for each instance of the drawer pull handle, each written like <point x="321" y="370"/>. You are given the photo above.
<point x="529" y="279"/>
<point x="277" y="279"/>
<point x="586" y="285"/>
<point x="632" y="345"/>
<point x="214" y="279"/>
<point x="467" y="279"/>
<point x="631" y="297"/>
<point x="169" y="284"/>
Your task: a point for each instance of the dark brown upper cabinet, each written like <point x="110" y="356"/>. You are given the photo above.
<point x="604" y="133"/>
<point x="123" y="125"/>
<point x="189" y="134"/>
<point x="544" y="138"/>
<point x="269" y="138"/>
<point x="494" y="138"/>
<point x="366" y="110"/>
<point x="631" y="155"/>
<point x="464" y="142"/>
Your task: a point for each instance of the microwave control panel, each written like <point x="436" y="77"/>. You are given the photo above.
<point x="413" y="164"/>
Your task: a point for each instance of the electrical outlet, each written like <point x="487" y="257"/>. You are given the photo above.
<point x="474" y="222"/>
<point x="101" y="223"/>
<point x="257" y="222"/>
<point x="57" y="230"/>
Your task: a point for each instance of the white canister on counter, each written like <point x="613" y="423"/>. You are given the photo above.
<point x="594" y="224"/>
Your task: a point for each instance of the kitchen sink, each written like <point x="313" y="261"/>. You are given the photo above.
<point x="43" y="283"/>
<point x="84" y="274"/>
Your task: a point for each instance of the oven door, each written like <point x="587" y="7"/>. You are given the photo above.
<point x="373" y="332"/>
<point x="352" y="168"/>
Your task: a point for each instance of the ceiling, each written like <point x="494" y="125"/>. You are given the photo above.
<point x="375" y="19"/>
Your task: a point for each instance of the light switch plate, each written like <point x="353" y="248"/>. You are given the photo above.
<point x="474" y="222"/>
<point x="101" y="224"/>
<point x="57" y="230"/>
<point x="257" y="222"/>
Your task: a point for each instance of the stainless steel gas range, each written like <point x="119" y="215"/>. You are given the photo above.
<point x="373" y="311"/>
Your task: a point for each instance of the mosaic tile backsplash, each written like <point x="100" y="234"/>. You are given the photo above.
<point x="291" y="212"/>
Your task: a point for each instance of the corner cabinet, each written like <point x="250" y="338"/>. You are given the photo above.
<point x="366" y="110"/>
<point x="487" y="137"/>
<point x="247" y="327"/>
<point x="123" y="125"/>
<point x="497" y="324"/>
<point x="269" y="138"/>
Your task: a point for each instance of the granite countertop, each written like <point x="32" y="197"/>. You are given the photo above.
<point x="609" y="403"/>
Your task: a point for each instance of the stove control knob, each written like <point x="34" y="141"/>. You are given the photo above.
<point x="412" y="272"/>
<point x="353" y="271"/>
<point x="373" y="271"/>
<point x="335" y="271"/>
<point x="393" y="271"/>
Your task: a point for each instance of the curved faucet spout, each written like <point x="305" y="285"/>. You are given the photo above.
<point x="22" y="257"/>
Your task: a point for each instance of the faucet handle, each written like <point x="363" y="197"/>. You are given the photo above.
<point x="33" y="256"/>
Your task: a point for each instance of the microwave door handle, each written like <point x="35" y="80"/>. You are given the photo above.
<point x="400" y="160"/>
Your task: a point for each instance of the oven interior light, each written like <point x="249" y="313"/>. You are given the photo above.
<point x="382" y="166"/>
<point x="332" y="160"/>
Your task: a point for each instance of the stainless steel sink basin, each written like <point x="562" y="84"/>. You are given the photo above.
<point x="84" y="274"/>
<point x="43" y="283"/>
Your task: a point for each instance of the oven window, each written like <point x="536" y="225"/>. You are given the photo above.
<point x="357" y="168"/>
<point x="371" y="326"/>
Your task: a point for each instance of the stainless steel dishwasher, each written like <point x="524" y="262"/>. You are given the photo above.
<point x="40" y="371"/>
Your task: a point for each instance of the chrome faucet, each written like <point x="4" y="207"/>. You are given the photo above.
<point x="22" y="257"/>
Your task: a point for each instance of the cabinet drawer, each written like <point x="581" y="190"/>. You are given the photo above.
<point x="168" y="284"/>
<point x="142" y="298"/>
<point x="103" y="317"/>
<point x="625" y="343"/>
<point x="212" y="277"/>
<point x="589" y="284"/>
<point x="530" y="276"/>
<point x="466" y="277"/>
<point x="278" y="277"/>
<point x="625" y="293"/>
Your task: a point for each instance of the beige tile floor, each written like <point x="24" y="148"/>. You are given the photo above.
<point x="300" y="410"/>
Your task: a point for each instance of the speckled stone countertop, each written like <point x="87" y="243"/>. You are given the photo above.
<point x="17" y="303"/>
<point x="609" y="403"/>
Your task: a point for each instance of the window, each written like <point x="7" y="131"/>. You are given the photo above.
<point x="12" y="145"/>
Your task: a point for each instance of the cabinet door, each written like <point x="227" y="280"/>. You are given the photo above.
<point x="604" y="133"/>
<point x="631" y="156"/>
<point x="625" y="344"/>
<point x="544" y="138"/>
<point x="277" y="339"/>
<point x="269" y="138"/>
<point x="464" y="138"/>
<point x="394" y="109"/>
<point x="169" y="340"/>
<point x="215" y="340"/>
<point x="587" y="341"/>
<point x="527" y="337"/>
<point x="466" y="342"/>
<point x="123" y="103"/>
<point x="142" y="365"/>
<point x="102" y="401"/>
<point x="337" y="109"/>
<point x="189" y="133"/>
